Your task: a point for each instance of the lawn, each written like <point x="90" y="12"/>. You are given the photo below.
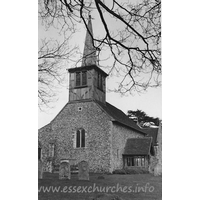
<point x="127" y="187"/>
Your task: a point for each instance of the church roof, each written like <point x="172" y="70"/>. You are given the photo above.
<point x="137" y="146"/>
<point x="153" y="133"/>
<point x="118" y="116"/>
<point x="76" y="69"/>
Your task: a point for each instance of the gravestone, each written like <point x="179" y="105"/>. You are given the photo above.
<point x="64" y="170"/>
<point x="40" y="169"/>
<point x="83" y="170"/>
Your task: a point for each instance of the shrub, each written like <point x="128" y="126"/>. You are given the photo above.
<point x="131" y="171"/>
<point x="119" y="171"/>
<point x="137" y="171"/>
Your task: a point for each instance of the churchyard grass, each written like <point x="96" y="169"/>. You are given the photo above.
<point x="127" y="187"/>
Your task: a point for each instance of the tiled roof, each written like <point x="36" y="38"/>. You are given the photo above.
<point x="153" y="133"/>
<point x="118" y="116"/>
<point x="137" y="146"/>
<point x="76" y="69"/>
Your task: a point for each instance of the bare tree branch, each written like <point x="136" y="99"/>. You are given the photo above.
<point x="51" y="73"/>
<point x="135" y="46"/>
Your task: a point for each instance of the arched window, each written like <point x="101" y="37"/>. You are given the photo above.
<point x="80" y="138"/>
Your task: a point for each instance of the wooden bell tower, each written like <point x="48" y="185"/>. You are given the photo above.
<point x="87" y="82"/>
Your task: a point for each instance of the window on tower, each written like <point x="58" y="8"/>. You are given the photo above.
<point x="81" y="78"/>
<point x="100" y="81"/>
<point x="84" y="78"/>
<point x="78" y="79"/>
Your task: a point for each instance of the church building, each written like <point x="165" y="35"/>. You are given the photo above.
<point x="91" y="129"/>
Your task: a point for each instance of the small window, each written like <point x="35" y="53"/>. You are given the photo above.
<point x="84" y="78"/>
<point x="128" y="162"/>
<point x="39" y="153"/>
<point x="83" y="138"/>
<point x="138" y="161"/>
<point x="81" y="78"/>
<point x="132" y="161"/>
<point x="80" y="138"/>
<point x="100" y="81"/>
<point x="78" y="79"/>
<point x="143" y="161"/>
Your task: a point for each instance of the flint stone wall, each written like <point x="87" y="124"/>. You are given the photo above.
<point x="62" y="130"/>
<point x="105" y="140"/>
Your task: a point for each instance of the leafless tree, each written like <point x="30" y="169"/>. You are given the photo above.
<point x="135" y="46"/>
<point x="51" y="57"/>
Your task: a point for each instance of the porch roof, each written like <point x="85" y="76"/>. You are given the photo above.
<point x="137" y="146"/>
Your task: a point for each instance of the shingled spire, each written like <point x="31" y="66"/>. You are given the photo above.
<point x="89" y="53"/>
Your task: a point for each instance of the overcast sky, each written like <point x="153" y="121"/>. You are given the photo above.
<point x="148" y="101"/>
